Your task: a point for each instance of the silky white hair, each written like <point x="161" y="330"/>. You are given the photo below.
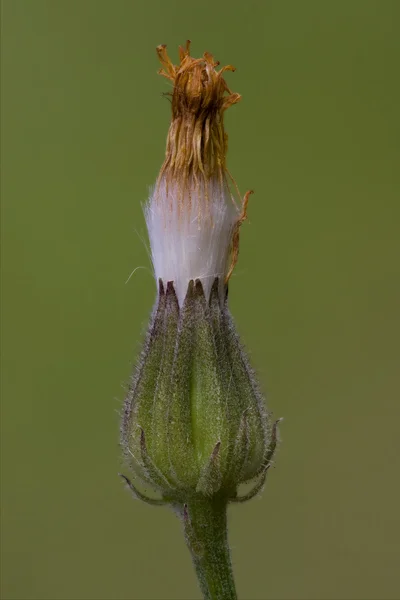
<point x="190" y="234"/>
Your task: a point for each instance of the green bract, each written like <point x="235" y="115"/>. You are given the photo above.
<point x="194" y="421"/>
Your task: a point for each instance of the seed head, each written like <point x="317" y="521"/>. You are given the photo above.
<point x="194" y="420"/>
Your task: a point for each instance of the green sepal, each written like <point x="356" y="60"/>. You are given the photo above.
<point x="194" y="420"/>
<point x="211" y="477"/>
<point x="252" y="403"/>
<point x="142" y="389"/>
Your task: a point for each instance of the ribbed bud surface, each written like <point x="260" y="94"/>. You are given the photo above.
<point x="194" y="420"/>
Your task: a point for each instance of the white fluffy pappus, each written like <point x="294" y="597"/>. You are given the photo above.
<point x="190" y="237"/>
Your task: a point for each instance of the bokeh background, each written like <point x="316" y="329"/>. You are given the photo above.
<point x="315" y="295"/>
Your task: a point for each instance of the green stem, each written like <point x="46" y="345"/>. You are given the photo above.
<point x="207" y="538"/>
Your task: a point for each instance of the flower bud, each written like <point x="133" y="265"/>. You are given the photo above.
<point x="194" y="420"/>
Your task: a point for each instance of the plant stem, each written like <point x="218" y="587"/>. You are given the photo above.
<point x="206" y="533"/>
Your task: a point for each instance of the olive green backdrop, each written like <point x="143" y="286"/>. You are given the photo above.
<point x="315" y="295"/>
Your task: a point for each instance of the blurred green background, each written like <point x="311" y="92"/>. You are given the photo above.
<point x="315" y="295"/>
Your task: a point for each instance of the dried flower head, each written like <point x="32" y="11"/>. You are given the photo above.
<point x="197" y="142"/>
